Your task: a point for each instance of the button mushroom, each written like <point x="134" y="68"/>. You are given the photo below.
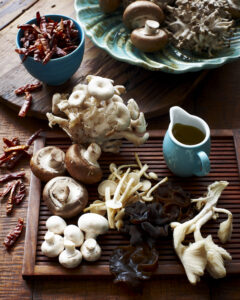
<point x="93" y="225"/>
<point x="150" y="38"/>
<point x="48" y="163"/>
<point x="82" y="164"/>
<point x="138" y="12"/>
<point x="56" y="224"/>
<point x="108" y="6"/>
<point x="53" y="244"/>
<point x="74" y="234"/>
<point x="70" y="257"/>
<point x="65" y="197"/>
<point x="91" y="251"/>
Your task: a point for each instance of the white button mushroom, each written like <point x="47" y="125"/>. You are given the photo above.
<point x="91" y="251"/>
<point x="70" y="257"/>
<point x="53" y="244"/>
<point x="93" y="225"/>
<point x="74" y="234"/>
<point x="56" y="224"/>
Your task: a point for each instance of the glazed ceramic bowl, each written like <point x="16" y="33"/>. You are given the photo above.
<point x="57" y="70"/>
<point x="108" y="32"/>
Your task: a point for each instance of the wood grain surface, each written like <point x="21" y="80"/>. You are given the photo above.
<point x="217" y="100"/>
<point x="166" y="89"/>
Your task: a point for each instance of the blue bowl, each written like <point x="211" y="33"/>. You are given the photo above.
<point x="57" y="70"/>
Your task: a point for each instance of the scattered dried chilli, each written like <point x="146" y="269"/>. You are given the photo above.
<point x="48" y="39"/>
<point x="26" y="89"/>
<point x="131" y="265"/>
<point x="21" y="193"/>
<point x="10" y="201"/>
<point x="14" y="234"/>
<point x="11" y="176"/>
<point x="10" y="158"/>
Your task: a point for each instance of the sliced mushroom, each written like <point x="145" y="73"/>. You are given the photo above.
<point x="108" y="6"/>
<point x="48" y="163"/>
<point x="149" y="38"/>
<point x="82" y="163"/>
<point x="136" y="14"/>
<point x="65" y="197"/>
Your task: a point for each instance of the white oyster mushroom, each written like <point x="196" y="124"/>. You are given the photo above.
<point x="93" y="225"/>
<point x="90" y="250"/>
<point x="96" y="113"/>
<point x="53" y="244"/>
<point x="70" y="257"/>
<point x="56" y="224"/>
<point x="74" y="234"/>
<point x="203" y="253"/>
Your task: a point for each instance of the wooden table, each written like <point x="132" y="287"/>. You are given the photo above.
<point x="217" y="100"/>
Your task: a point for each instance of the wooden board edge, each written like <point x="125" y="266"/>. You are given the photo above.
<point x="32" y="218"/>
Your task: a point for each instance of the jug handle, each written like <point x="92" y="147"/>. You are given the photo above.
<point x="205" y="164"/>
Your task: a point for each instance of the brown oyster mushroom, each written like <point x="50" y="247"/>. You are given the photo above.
<point x="48" y="163"/>
<point x="137" y="13"/>
<point x="82" y="163"/>
<point x="150" y="38"/>
<point x="108" y="6"/>
<point x="65" y="197"/>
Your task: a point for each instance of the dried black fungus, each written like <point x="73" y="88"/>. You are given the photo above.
<point x="131" y="265"/>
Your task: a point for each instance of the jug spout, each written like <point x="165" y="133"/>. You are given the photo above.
<point x="178" y="115"/>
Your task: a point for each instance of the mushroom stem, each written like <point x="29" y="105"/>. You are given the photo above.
<point x="91" y="245"/>
<point x="56" y="159"/>
<point x="92" y="153"/>
<point x="50" y="238"/>
<point x="70" y="247"/>
<point x="151" y="27"/>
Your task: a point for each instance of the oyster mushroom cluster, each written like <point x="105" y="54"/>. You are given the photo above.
<point x="201" y="26"/>
<point x="95" y="112"/>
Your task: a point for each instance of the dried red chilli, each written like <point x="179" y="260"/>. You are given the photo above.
<point x="28" y="88"/>
<point x="26" y="105"/>
<point x="11" y="176"/>
<point x="11" y="238"/>
<point x="6" y="190"/>
<point x="20" y="193"/>
<point x="10" y="201"/>
<point x="10" y="159"/>
<point x="43" y="40"/>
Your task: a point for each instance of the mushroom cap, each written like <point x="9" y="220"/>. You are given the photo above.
<point x="108" y="6"/>
<point x="71" y="257"/>
<point x="65" y="197"/>
<point x="53" y="244"/>
<point x="93" y="225"/>
<point x="149" y="43"/>
<point x="56" y="224"/>
<point x="138" y="12"/>
<point x="74" y="234"/>
<point x="90" y="249"/>
<point x="80" y="168"/>
<point x="48" y="163"/>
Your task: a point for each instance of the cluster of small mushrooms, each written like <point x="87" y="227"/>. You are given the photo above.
<point x="96" y="113"/>
<point x="201" y="26"/>
<point x="65" y="247"/>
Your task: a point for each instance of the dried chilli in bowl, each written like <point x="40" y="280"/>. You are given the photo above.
<point x="48" y="39"/>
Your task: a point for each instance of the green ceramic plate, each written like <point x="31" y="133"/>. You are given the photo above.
<point x="109" y="33"/>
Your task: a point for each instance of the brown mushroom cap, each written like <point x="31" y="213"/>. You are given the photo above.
<point x="138" y="12"/>
<point x="149" y="43"/>
<point x="80" y="168"/>
<point x="108" y="6"/>
<point x="65" y="197"/>
<point x="48" y="163"/>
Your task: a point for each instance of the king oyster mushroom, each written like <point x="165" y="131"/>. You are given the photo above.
<point x="48" y="163"/>
<point x="65" y="197"/>
<point x="82" y="163"/>
<point x="149" y="38"/>
<point x="137" y="13"/>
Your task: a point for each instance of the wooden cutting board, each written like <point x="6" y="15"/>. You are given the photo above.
<point x="155" y="92"/>
<point x="224" y="157"/>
